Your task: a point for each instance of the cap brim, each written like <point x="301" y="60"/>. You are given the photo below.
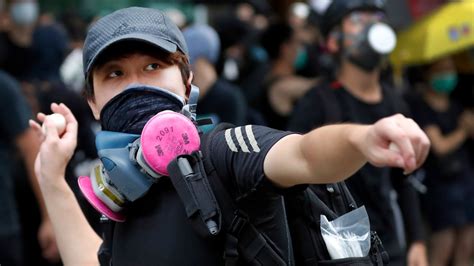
<point x="158" y="42"/>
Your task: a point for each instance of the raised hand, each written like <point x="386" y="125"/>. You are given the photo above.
<point x="55" y="151"/>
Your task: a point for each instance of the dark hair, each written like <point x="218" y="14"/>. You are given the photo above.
<point x="274" y="37"/>
<point x="125" y="48"/>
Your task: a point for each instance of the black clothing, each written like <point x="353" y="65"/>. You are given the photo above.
<point x="39" y="61"/>
<point x="370" y="186"/>
<point x="14" y="115"/>
<point x="449" y="179"/>
<point x="157" y="232"/>
<point x="50" y="48"/>
<point x="15" y="60"/>
<point x="225" y="102"/>
<point x="272" y="117"/>
<point x="437" y="168"/>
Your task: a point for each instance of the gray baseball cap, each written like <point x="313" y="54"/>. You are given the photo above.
<point x="134" y="23"/>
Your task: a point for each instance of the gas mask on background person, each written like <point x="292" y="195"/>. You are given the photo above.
<point x="144" y="129"/>
<point x="370" y="47"/>
<point x="24" y="13"/>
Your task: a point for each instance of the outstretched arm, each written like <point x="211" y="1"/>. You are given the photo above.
<point x="78" y="243"/>
<point x="333" y="153"/>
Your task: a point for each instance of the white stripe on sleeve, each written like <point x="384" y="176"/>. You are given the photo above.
<point x="230" y="142"/>
<point x="252" y="140"/>
<point x="240" y="139"/>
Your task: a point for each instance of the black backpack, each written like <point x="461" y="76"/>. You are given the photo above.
<point x="304" y="212"/>
<point x="245" y="244"/>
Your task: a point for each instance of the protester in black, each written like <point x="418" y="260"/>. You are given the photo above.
<point x="17" y="141"/>
<point x="15" y="113"/>
<point x="29" y="49"/>
<point x="281" y="87"/>
<point x="449" y="175"/>
<point x="357" y="95"/>
<point x="371" y="186"/>
<point x="259" y="162"/>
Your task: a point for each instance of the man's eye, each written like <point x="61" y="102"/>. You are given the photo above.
<point x="153" y="66"/>
<point x="115" y="74"/>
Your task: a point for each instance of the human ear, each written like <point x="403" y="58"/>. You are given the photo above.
<point x="188" y="84"/>
<point x="190" y="79"/>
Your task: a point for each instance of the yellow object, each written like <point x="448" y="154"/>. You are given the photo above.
<point x="448" y="30"/>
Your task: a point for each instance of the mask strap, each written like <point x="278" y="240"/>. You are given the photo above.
<point x="189" y="110"/>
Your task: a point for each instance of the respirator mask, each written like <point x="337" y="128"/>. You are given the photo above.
<point x="144" y="129"/>
<point x="369" y="48"/>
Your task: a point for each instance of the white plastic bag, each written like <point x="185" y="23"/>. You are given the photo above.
<point x="348" y="235"/>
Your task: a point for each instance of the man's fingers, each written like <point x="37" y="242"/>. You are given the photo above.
<point x="389" y="157"/>
<point x="51" y="130"/>
<point x="407" y="152"/>
<point x="422" y="151"/>
<point x="40" y="116"/>
<point x="418" y="138"/>
<point x="34" y="125"/>
<point x="395" y="133"/>
<point x="404" y="134"/>
<point x="71" y="122"/>
<point x="65" y="111"/>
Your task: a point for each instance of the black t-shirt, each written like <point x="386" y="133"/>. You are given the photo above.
<point x="40" y="60"/>
<point x="14" y="116"/>
<point x="157" y="231"/>
<point x="370" y="186"/>
<point x="226" y="101"/>
<point x="272" y="117"/>
<point x="15" y="60"/>
<point x="454" y="165"/>
<point x="310" y="113"/>
<point x="331" y="103"/>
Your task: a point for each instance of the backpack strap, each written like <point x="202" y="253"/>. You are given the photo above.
<point x="189" y="178"/>
<point x="243" y="242"/>
<point x="105" y="251"/>
<point x="341" y="199"/>
<point x="304" y="210"/>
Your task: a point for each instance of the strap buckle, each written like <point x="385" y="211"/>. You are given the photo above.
<point x="238" y="223"/>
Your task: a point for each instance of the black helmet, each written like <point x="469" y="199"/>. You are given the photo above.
<point x="331" y="12"/>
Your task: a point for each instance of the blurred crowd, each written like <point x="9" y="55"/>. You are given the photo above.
<point x="253" y="66"/>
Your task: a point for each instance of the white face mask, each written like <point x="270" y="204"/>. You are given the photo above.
<point x="24" y="13"/>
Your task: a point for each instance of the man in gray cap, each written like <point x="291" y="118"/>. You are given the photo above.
<point x="136" y="66"/>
